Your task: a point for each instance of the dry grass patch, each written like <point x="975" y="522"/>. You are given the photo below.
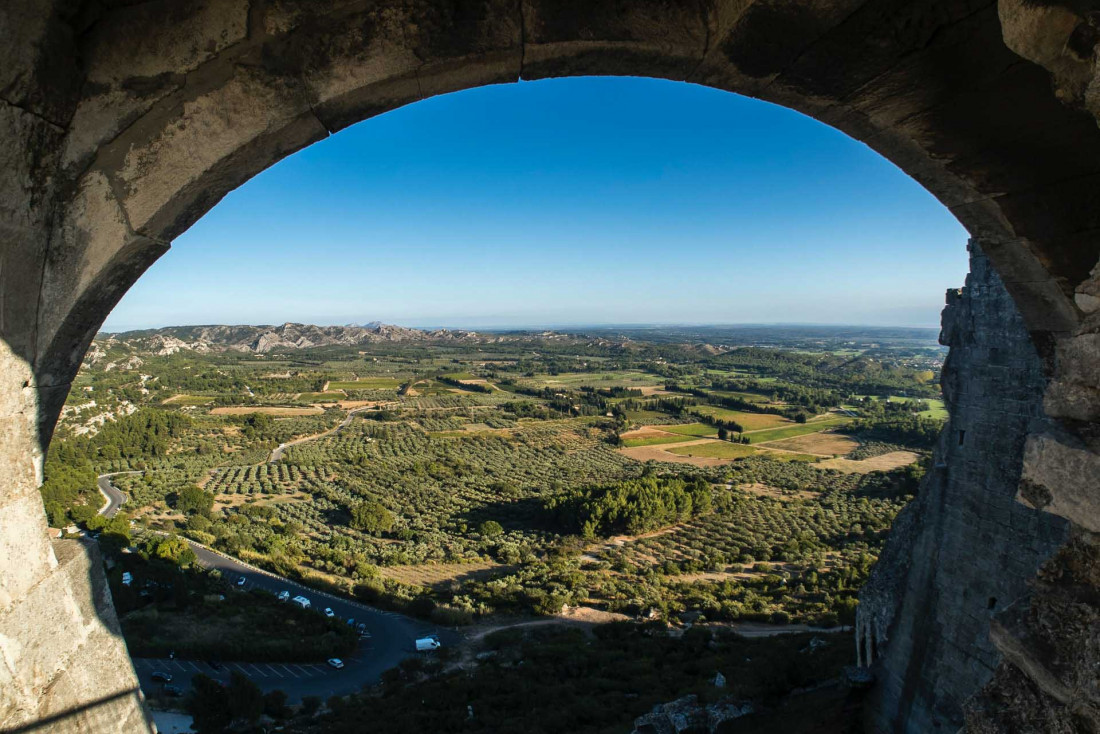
<point x="267" y="410"/>
<point x="354" y="404"/>
<point x="764" y="490"/>
<point x="885" y="462"/>
<point x="433" y="574"/>
<point x="821" y="444"/>
<point x="222" y="501"/>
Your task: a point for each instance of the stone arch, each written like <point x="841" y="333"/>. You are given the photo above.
<point x="988" y="105"/>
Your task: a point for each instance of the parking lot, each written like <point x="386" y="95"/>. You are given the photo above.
<point x="283" y="671"/>
<point x="388" y="638"/>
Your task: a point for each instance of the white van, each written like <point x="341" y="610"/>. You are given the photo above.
<point x="427" y="643"/>
<point x="301" y="601"/>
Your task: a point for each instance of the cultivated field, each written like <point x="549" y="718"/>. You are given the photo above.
<point x="713" y="450"/>
<point x="748" y="421"/>
<point x="700" y="430"/>
<point x="821" y="444"/>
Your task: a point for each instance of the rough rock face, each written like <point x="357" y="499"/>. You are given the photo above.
<point x="964" y="548"/>
<point x="1049" y="678"/>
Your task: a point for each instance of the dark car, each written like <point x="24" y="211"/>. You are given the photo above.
<point x="214" y="664"/>
<point x="161" y="677"/>
<point x="173" y="691"/>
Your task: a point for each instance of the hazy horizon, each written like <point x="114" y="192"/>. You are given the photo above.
<point x="567" y="202"/>
<point x="547" y="326"/>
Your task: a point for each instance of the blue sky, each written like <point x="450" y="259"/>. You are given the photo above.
<point x="566" y="202"/>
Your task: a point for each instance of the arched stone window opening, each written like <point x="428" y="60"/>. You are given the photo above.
<point x="109" y="164"/>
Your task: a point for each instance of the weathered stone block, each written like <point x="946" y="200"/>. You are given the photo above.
<point x="1069" y="473"/>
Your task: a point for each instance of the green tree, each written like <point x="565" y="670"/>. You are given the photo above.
<point x="246" y="700"/>
<point x="371" y="517"/>
<point x="208" y="704"/>
<point x="490" y="529"/>
<point x="192" y="500"/>
<point x="275" y="704"/>
<point x="173" y="549"/>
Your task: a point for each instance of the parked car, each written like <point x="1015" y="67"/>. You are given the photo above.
<point x="214" y="664"/>
<point x="351" y="622"/>
<point x="329" y="613"/>
<point x="161" y="677"/>
<point x="240" y="581"/>
<point x="301" y="601"/>
<point x="336" y="663"/>
<point x="173" y="691"/>
<point x="284" y="595"/>
<point x="361" y="628"/>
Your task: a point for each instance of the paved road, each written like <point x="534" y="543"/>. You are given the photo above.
<point x="115" y="496"/>
<point x="390" y="641"/>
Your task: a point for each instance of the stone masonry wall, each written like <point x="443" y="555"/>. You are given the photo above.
<point x="965" y="548"/>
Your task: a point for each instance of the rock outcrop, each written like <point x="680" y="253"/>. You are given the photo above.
<point x="264" y="339"/>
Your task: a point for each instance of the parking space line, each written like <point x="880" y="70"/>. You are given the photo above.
<point x="304" y="672"/>
<point x="274" y="672"/>
<point x="289" y="671"/>
<point x="193" y="665"/>
<point x="178" y="664"/>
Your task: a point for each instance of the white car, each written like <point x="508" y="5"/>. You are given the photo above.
<point x="284" y="595"/>
<point x="240" y="581"/>
<point x="336" y="663"/>
<point x="329" y="612"/>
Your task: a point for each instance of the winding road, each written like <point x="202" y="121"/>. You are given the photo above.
<point x="115" y="496"/>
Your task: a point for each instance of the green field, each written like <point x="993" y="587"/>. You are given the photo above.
<point x="366" y="383"/>
<point x="701" y="430"/>
<point x="796" y="429"/>
<point x="936" y="410"/>
<point x="747" y="396"/>
<point x="714" y="450"/>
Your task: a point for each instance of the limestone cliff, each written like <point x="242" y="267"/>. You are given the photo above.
<point x="964" y="549"/>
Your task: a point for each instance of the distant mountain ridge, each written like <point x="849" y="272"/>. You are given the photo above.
<point x="265" y="338"/>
